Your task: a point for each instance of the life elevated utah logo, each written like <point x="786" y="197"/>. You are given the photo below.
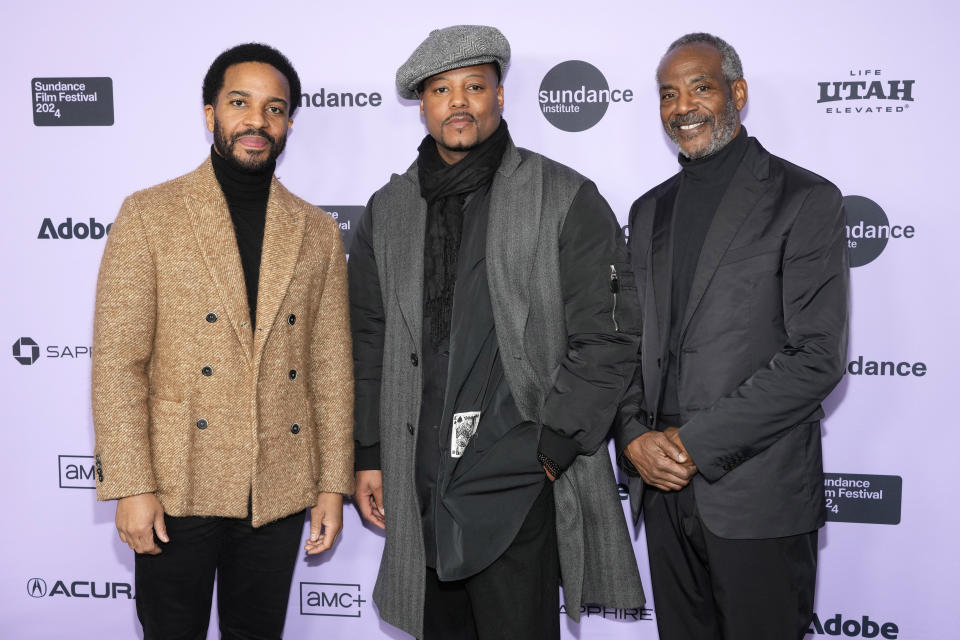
<point x="575" y="95"/>
<point x="866" y="91"/>
<point x="869" y="230"/>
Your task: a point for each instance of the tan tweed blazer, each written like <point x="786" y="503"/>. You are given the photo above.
<point x="189" y="402"/>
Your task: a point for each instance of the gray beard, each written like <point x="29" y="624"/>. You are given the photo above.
<point x="723" y="132"/>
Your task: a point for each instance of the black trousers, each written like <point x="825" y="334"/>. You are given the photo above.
<point x="254" y="568"/>
<point x="711" y="588"/>
<point x="515" y="597"/>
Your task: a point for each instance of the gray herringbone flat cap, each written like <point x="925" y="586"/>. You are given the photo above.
<point x="452" y="48"/>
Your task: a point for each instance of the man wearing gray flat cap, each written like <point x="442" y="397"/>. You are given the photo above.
<point x="491" y="351"/>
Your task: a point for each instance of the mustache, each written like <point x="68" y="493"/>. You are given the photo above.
<point x="459" y="114"/>
<point x="689" y="118"/>
<point x="253" y="132"/>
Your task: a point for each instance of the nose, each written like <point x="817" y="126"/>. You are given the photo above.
<point x="254" y="118"/>
<point x="685" y="103"/>
<point x="458" y="98"/>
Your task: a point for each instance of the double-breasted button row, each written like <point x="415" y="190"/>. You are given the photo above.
<point x="291" y="319"/>
<point x="295" y="428"/>
<point x="211" y="317"/>
<point x="207" y="371"/>
<point x="293" y="374"/>
<point x="201" y="424"/>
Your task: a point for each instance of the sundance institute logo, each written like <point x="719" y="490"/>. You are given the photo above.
<point x="869" y="230"/>
<point x="575" y="95"/>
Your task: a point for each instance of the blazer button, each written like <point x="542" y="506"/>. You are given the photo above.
<point x="207" y="371"/>
<point x="291" y="319"/>
<point x="294" y="428"/>
<point x="410" y="428"/>
<point x="414" y="360"/>
<point x="211" y="317"/>
<point x="201" y="424"/>
<point x="293" y="374"/>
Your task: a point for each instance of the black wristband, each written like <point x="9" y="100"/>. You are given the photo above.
<point x="549" y="465"/>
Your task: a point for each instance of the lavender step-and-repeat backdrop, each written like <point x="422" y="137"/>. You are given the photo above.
<point x="103" y="98"/>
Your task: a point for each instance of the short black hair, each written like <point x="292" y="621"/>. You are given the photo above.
<point x="250" y="52"/>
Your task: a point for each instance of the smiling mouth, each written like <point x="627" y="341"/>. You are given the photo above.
<point x="688" y="127"/>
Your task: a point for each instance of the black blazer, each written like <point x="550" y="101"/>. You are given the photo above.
<point x="763" y="341"/>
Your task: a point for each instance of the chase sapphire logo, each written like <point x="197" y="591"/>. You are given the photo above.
<point x="36" y="587"/>
<point x="26" y="351"/>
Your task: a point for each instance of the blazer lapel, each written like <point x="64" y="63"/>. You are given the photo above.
<point x="218" y="246"/>
<point x="739" y="200"/>
<point x="282" y="239"/>
<point x="511" y="242"/>
<point x="405" y="255"/>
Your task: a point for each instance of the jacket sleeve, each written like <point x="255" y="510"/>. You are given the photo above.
<point x="601" y="323"/>
<point x="331" y="382"/>
<point x="629" y="423"/>
<point x="789" y="389"/>
<point x="368" y="324"/>
<point x="123" y="335"/>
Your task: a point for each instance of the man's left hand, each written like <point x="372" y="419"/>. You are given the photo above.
<point x="549" y="475"/>
<point x="326" y="521"/>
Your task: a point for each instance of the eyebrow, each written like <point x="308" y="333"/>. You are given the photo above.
<point x="247" y="94"/>
<point x="694" y="80"/>
<point x="438" y="78"/>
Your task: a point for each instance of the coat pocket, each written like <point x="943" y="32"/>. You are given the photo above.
<point x="171" y="443"/>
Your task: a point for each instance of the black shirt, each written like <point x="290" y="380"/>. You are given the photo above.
<point x="246" y="194"/>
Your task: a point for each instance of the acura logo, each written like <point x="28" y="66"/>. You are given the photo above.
<point x="36" y="587"/>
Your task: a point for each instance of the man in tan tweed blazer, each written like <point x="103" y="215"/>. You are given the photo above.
<point x="222" y="370"/>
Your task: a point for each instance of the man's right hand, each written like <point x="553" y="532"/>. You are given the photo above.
<point x="137" y="518"/>
<point x="369" y="496"/>
<point x="660" y="462"/>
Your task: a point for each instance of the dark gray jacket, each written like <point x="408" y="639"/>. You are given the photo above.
<point x="762" y="342"/>
<point x="529" y="198"/>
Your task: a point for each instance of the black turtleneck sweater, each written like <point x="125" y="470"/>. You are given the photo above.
<point x="246" y="194"/>
<point x="702" y="185"/>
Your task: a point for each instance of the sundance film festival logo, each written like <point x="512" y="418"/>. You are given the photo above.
<point x="26" y="351"/>
<point x="869" y="230"/>
<point x="330" y="599"/>
<point x="865" y="92"/>
<point x="347" y="217"/>
<point x="71" y="102"/>
<point x="575" y="95"/>
<point x="861" y="498"/>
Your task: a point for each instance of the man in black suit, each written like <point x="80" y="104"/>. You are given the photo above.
<point x="742" y="272"/>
